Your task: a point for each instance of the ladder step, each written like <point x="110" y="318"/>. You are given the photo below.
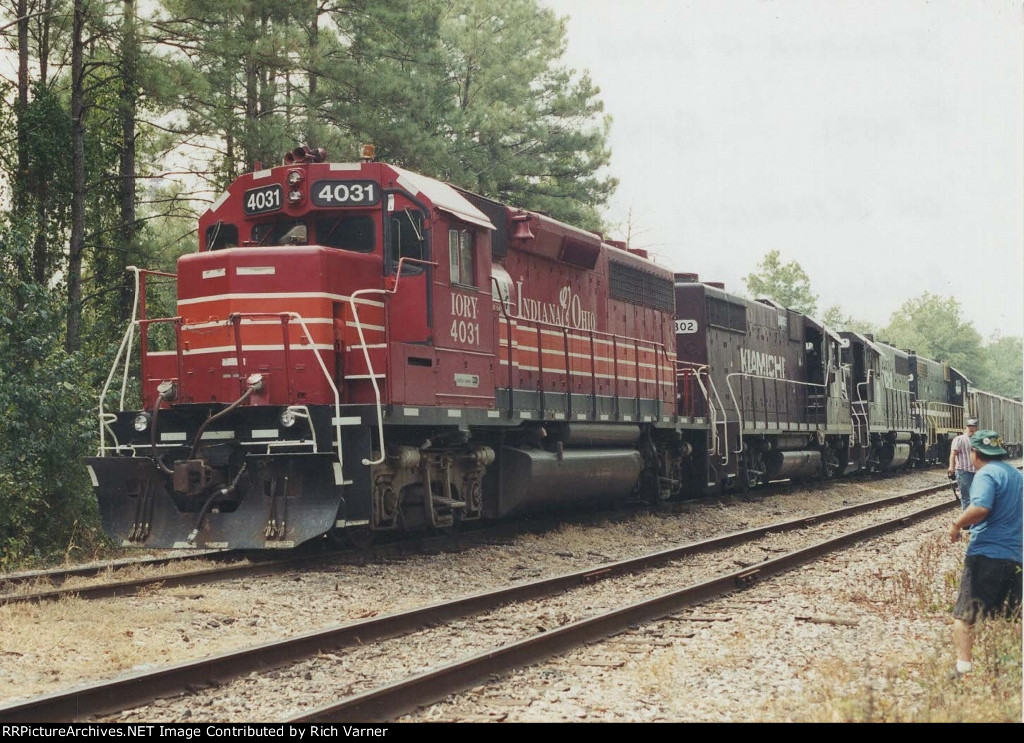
<point x="438" y="500"/>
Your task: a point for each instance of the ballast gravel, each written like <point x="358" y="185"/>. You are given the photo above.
<point x="832" y="629"/>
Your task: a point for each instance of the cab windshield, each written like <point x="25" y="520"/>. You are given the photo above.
<point x="345" y="231"/>
<point x="281" y="232"/>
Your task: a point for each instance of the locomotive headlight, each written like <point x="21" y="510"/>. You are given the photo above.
<point x="288" y="418"/>
<point x="294" y="177"/>
<point x="141" y="422"/>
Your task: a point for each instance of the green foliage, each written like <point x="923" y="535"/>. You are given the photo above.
<point x="934" y="326"/>
<point x="786" y="284"/>
<point x="472" y="93"/>
<point x="1004" y="374"/>
<point x="46" y="395"/>
<point x="40" y="193"/>
<point x="235" y="61"/>
<point x="836" y="319"/>
<point x="527" y="130"/>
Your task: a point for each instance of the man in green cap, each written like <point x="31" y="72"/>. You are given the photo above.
<point x="991" y="578"/>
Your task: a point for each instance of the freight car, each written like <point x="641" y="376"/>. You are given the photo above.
<point x="358" y="348"/>
<point x="999" y="414"/>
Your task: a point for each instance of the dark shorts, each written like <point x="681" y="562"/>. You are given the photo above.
<point x="987" y="587"/>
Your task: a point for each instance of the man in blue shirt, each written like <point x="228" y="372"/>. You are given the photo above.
<point x="991" y="579"/>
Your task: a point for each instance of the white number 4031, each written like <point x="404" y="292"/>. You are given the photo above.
<point x="465" y="332"/>
<point x="344" y="193"/>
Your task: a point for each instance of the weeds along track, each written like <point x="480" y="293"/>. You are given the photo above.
<point x="375" y="669"/>
<point x="202" y="569"/>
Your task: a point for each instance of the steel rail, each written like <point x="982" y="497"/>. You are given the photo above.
<point x="133" y="690"/>
<point x="419" y="543"/>
<point x="300" y="558"/>
<point x="393" y="700"/>
<point x="188" y="578"/>
<point x="61" y="575"/>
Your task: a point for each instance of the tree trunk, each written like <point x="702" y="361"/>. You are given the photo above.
<point x="128" y="230"/>
<point x="21" y="109"/>
<point x="72" y="340"/>
<point x="312" y="104"/>
<point x="44" y="41"/>
<point x="252" y="77"/>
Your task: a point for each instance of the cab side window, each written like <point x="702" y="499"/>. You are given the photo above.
<point x="460" y="257"/>
<point x="405" y="237"/>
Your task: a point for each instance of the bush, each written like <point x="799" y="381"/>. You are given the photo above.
<point x="47" y="509"/>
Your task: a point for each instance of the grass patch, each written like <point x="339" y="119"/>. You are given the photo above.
<point x="919" y="686"/>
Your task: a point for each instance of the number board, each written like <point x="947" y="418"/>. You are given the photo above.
<point x="345" y="193"/>
<point x="262" y="200"/>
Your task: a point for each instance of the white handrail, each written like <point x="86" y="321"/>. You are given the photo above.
<point x="334" y="390"/>
<point x="739" y="407"/>
<point x="125" y="342"/>
<point x="711" y="409"/>
<point x="131" y="334"/>
<point x="369" y="369"/>
<point x="366" y="351"/>
<point x="725" y="418"/>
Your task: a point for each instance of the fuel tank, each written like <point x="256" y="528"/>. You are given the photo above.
<point x="787" y="464"/>
<point x="894" y="455"/>
<point x="533" y="480"/>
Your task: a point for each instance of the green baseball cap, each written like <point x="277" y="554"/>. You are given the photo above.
<point x="988" y="442"/>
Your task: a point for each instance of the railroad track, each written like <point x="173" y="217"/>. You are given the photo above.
<point x="56" y="577"/>
<point x="235" y="565"/>
<point x="48" y="585"/>
<point x="107" y="698"/>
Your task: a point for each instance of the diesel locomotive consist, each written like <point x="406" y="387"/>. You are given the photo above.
<point x="357" y="348"/>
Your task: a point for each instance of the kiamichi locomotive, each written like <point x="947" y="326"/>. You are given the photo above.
<point x="358" y="348"/>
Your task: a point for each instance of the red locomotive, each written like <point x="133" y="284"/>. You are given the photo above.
<point x="361" y="348"/>
<point x="358" y="348"/>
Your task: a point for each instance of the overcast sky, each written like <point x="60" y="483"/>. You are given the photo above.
<point x="878" y="144"/>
